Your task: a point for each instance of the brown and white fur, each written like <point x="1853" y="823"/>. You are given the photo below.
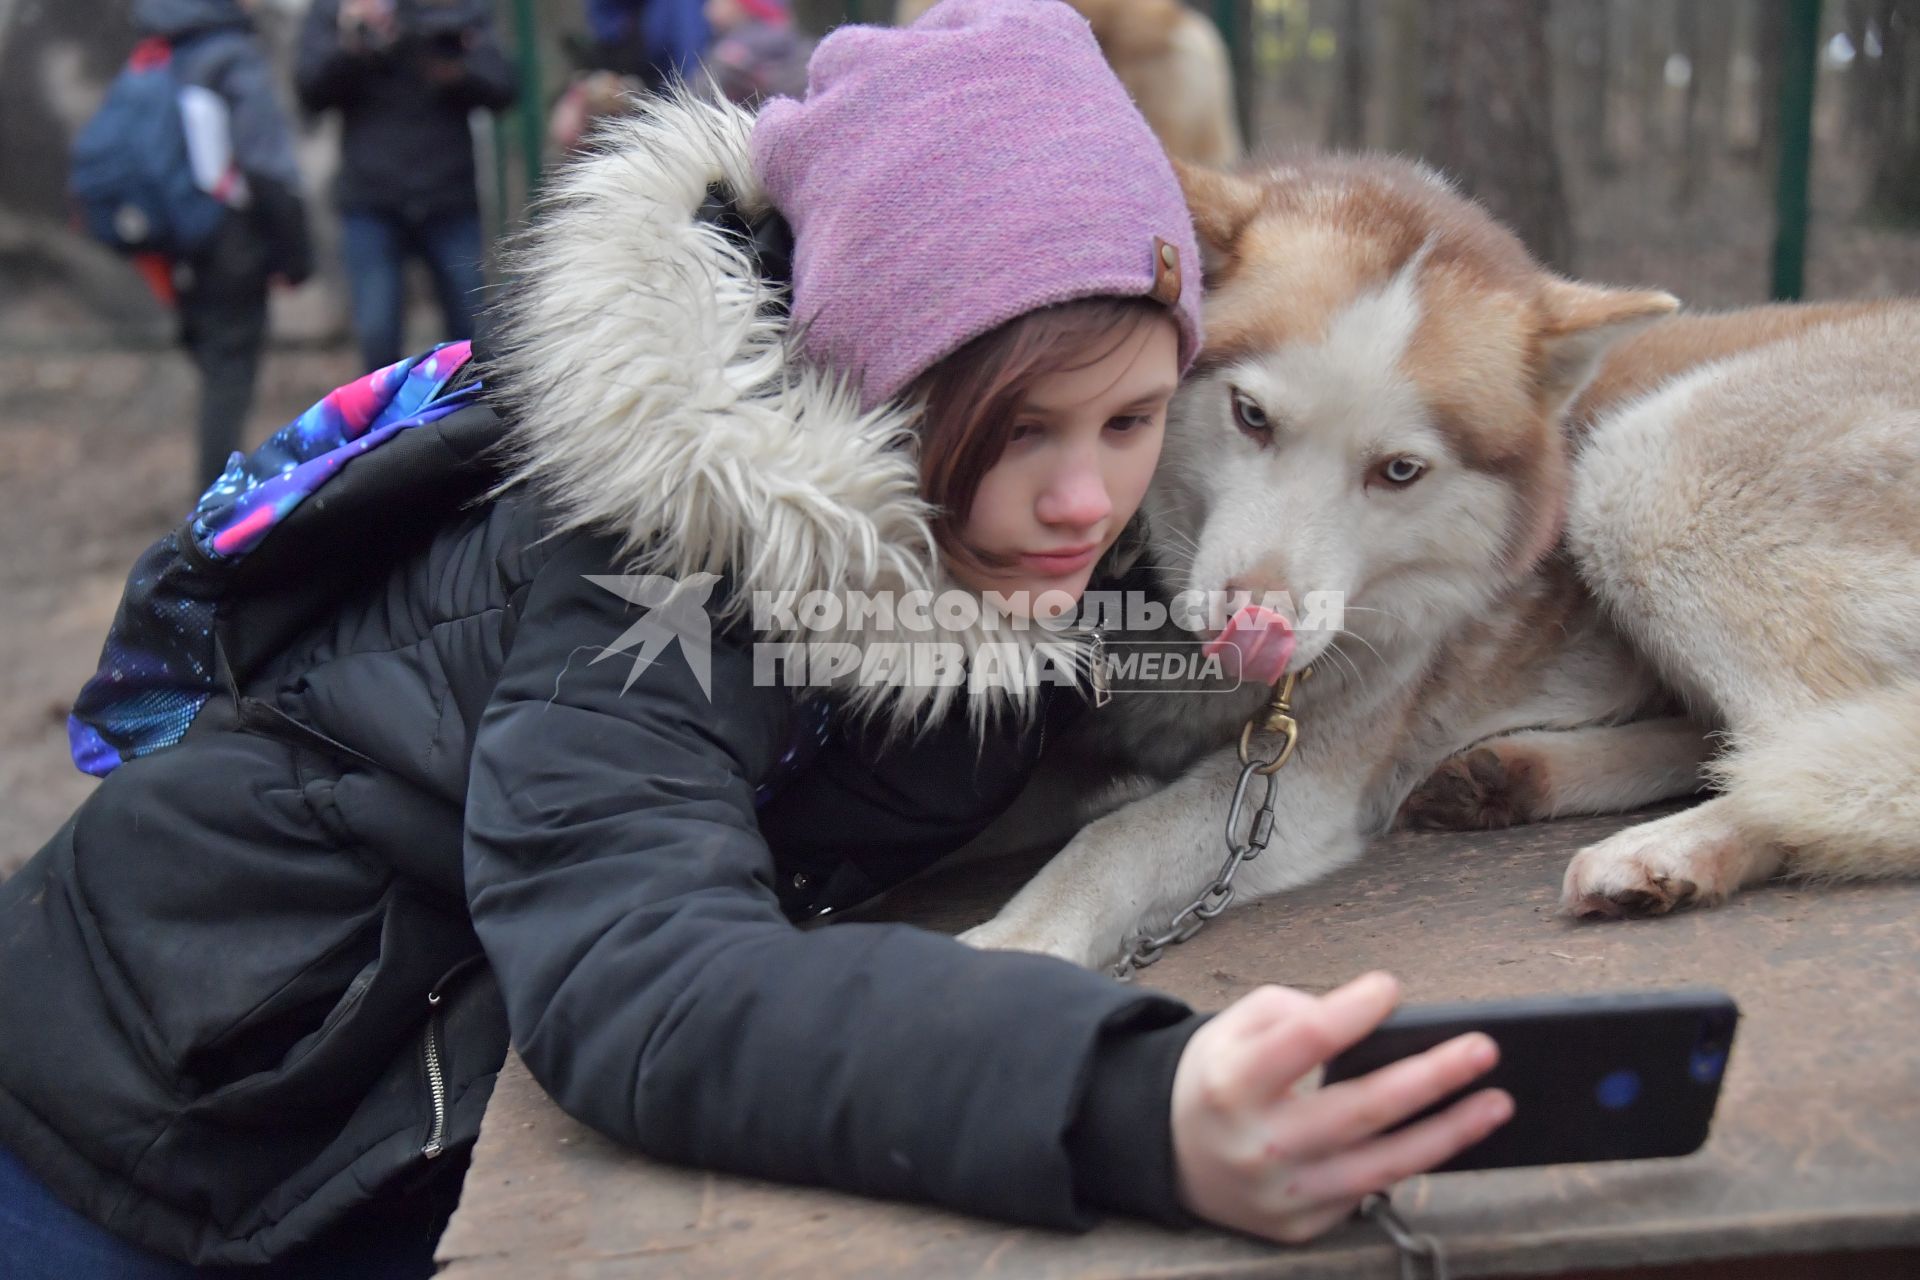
<point x="1174" y="65"/>
<point x="1602" y="565"/>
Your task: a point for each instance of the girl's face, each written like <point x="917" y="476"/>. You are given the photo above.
<point x="1085" y="443"/>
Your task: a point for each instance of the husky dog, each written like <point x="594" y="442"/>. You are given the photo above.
<point x="1576" y="538"/>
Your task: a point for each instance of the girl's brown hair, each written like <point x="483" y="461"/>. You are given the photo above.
<point x="973" y="397"/>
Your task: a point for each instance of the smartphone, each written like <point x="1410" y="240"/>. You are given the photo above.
<point x="1605" y="1077"/>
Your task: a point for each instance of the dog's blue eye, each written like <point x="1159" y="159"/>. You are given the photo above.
<point x="1402" y="470"/>
<point x="1252" y="418"/>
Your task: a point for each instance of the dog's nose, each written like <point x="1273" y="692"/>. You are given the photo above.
<point x="1255" y="585"/>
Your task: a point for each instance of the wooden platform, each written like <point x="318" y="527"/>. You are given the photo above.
<point x="1813" y="1168"/>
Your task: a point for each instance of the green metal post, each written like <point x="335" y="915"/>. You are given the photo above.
<point x="1226" y="16"/>
<point x="1797" y="74"/>
<point x="526" y="37"/>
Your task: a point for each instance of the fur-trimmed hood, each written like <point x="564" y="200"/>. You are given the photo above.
<point x="655" y="394"/>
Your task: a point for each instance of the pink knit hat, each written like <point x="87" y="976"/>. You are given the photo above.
<point x="944" y="178"/>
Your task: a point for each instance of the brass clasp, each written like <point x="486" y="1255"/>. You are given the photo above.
<point x="1275" y="717"/>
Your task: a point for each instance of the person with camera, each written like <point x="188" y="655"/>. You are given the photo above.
<point x="405" y="75"/>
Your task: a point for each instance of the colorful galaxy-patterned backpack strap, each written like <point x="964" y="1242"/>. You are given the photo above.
<point x="259" y="489"/>
<point x="159" y="664"/>
<point x="156" y="667"/>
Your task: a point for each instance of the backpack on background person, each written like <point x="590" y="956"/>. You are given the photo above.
<point x="153" y="171"/>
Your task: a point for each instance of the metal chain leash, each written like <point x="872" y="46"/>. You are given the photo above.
<point x="1418" y="1250"/>
<point x="1276" y="717"/>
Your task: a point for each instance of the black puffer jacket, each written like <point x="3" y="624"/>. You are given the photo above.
<point x="273" y="970"/>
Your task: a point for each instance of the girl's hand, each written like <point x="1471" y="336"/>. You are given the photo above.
<point x="1255" y="1152"/>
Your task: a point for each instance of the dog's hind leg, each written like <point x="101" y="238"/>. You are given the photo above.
<point x="1537" y="774"/>
<point x="1694" y="858"/>
<point x="1827" y="793"/>
<point x="1838" y="787"/>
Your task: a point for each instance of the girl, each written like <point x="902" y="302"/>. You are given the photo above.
<point x="254" y="994"/>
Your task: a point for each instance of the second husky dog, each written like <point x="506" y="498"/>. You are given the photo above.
<point x="1563" y="569"/>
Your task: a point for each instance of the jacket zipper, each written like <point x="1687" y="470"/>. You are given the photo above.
<point x="436" y="1081"/>
<point x="436" y="1142"/>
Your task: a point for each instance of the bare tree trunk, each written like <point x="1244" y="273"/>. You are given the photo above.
<point x="1347" y="126"/>
<point x="1489" y="106"/>
<point x="1896" y="170"/>
<point x="1653" y="42"/>
<point x="1626" y="78"/>
<point x="1406" y="126"/>
<point x="1689" y="40"/>
<point x="1770" y="51"/>
<point x="1590" y="51"/>
<point x="1714" y="70"/>
<point x="1858" y="17"/>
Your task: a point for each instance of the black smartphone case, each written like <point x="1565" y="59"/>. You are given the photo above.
<point x="1612" y="1077"/>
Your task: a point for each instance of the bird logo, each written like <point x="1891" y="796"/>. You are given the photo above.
<point x="678" y="612"/>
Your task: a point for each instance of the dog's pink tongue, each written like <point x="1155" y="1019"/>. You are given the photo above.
<point x="1264" y="639"/>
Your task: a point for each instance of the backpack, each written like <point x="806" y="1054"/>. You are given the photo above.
<point x="133" y="172"/>
<point x="284" y="532"/>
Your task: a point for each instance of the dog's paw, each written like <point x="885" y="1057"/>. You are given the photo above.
<point x="1680" y="861"/>
<point x="1477" y="790"/>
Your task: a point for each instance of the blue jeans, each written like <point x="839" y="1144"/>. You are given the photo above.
<point x="42" y="1239"/>
<point x="376" y="247"/>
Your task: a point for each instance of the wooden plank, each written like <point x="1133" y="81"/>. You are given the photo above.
<point x="1817" y="1147"/>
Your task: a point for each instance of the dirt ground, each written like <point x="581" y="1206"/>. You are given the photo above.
<point x="94" y="447"/>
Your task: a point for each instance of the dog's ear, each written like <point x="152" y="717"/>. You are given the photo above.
<point x="1579" y="322"/>
<point x="1221" y="205"/>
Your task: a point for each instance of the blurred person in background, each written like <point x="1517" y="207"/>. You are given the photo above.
<point x="631" y="47"/>
<point x="221" y="287"/>
<point x="405" y="75"/>
<point x="756" y="53"/>
<point x="589" y="98"/>
<point x="657" y="41"/>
